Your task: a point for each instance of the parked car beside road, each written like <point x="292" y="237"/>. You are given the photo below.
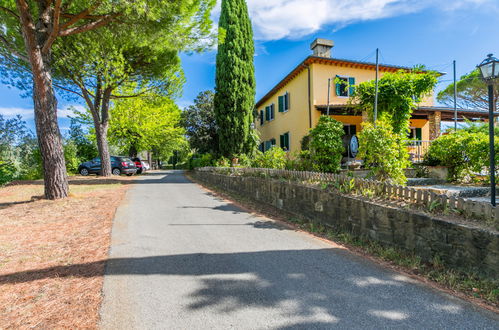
<point x="119" y="165"/>
<point x="142" y="166"/>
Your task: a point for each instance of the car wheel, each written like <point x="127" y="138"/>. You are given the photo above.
<point x="116" y="171"/>
<point x="139" y="171"/>
<point x="84" y="171"/>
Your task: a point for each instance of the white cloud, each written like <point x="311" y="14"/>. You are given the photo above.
<point x="28" y="113"/>
<point x="291" y="19"/>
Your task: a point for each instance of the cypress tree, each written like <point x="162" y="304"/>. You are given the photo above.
<point x="235" y="79"/>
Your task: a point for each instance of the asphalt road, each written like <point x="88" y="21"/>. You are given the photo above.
<point x="182" y="258"/>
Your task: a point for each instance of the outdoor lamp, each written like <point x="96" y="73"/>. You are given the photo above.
<point x="489" y="68"/>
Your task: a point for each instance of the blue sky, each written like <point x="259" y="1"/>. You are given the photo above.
<point x="407" y="32"/>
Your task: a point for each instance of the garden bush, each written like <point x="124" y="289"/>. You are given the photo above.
<point x="383" y="151"/>
<point x="223" y="162"/>
<point x="7" y="172"/>
<point x="465" y="153"/>
<point x="326" y="145"/>
<point x="200" y="161"/>
<point x="71" y="157"/>
<point x="275" y="158"/>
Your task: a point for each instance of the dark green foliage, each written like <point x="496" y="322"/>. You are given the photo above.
<point x="235" y="80"/>
<point x="200" y="125"/>
<point x="326" y="145"/>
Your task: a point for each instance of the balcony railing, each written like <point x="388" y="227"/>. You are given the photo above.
<point x="417" y="150"/>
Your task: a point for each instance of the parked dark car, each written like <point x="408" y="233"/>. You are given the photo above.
<point x="119" y="165"/>
<point x="141" y="168"/>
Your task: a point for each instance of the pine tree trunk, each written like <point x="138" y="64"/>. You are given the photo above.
<point x="45" y="104"/>
<point x="49" y="138"/>
<point x="99" y="109"/>
<point x="102" y="145"/>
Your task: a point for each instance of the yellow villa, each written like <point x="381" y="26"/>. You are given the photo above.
<point x="290" y="109"/>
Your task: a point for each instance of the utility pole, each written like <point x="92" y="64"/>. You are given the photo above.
<point x="328" y="94"/>
<point x="455" y="97"/>
<point x="376" y="89"/>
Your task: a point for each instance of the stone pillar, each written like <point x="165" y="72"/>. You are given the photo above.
<point x="435" y="118"/>
<point x="365" y="117"/>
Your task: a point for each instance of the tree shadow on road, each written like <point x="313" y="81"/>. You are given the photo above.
<point x="318" y="288"/>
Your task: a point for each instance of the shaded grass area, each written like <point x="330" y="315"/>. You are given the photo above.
<point x="468" y="285"/>
<point x="37" y="234"/>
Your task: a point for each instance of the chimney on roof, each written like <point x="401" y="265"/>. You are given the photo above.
<point x="322" y="47"/>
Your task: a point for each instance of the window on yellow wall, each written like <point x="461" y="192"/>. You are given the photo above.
<point x="415" y="134"/>
<point x="270" y="112"/>
<point x="345" y="86"/>
<point x="262" y="118"/>
<point x="284" y="141"/>
<point x="283" y="102"/>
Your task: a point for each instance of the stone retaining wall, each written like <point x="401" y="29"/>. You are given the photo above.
<point x="457" y="245"/>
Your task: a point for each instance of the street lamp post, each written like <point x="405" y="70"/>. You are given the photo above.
<point x="489" y="68"/>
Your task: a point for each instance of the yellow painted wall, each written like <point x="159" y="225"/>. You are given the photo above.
<point x="350" y="120"/>
<point x="425" y="127"/>
<point x="321" y="73"/>
<point x="295" y="120"/>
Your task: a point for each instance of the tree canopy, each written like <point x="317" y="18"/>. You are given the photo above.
<point x="112" y="63"/>
<point x="30" y="41"/>
<point x="235" y="80"/>
<point x="200" y="125"/>
<point x="471" y="92"/>
<point x="146" y="123"/>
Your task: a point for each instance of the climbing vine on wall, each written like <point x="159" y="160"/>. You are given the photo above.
<point x="398" y="94"/>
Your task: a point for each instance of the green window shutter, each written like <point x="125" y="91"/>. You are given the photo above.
<point x="281" y="103"/>
<point x="272" y="142"/>
<point x="272" y="111"/>
<point x="286" y="141"/>
<point x="419" y="134"/>
<point x="267" y="145"/>
<point x="338" y="88"/>
<point x="351" y="86"/>
<point x="262" y="119"/>
<point x="282" y="144"/>
<point x="267" y="113"/>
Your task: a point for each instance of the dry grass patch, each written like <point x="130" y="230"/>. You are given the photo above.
<point x="52" y="253"/>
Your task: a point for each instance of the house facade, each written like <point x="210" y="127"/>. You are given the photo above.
<point x="291" y="108"/>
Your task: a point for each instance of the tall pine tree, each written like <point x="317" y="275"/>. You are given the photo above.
<point x="235" y="79"/>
